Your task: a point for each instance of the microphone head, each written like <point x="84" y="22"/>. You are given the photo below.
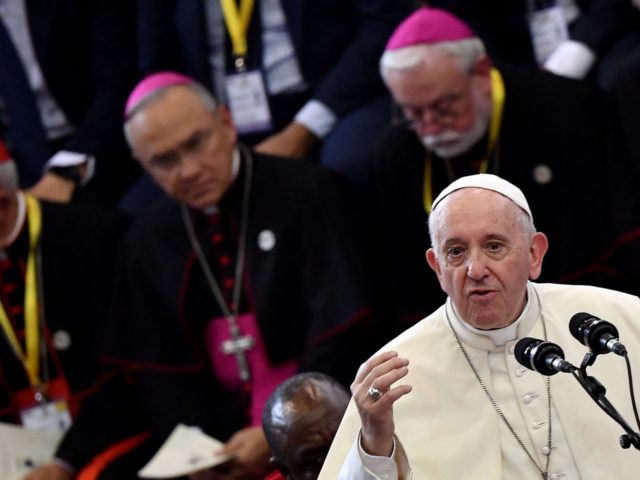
<point x="590" y="330"/>
<point x="576" y="324"/>
<point x="522" y="349"/>
<point x="536" y="355"/>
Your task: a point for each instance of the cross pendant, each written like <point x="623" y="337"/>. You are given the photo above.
<point x="237" y="345"/>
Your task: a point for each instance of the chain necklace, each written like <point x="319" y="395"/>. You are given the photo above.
<point x="238" y="343"/>
<point x="497" y="408"/>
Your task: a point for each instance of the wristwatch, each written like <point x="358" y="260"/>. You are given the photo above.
<point x="71" y="172"/>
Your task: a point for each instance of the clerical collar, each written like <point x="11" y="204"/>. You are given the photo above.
<point x="493" y="340"/>
<point x="235" y="170"/>
<point x="19" y="223"/>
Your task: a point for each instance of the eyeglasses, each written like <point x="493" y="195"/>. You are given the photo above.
<point x="443" y="111"/>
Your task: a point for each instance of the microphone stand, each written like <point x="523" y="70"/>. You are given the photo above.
<point x="597" y="392"/>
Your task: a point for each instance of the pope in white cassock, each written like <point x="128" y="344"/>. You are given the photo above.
<point x="447" y="399"/>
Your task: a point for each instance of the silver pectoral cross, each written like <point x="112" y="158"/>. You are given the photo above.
<point x="237" y="345"/>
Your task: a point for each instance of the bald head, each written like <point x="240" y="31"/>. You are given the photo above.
<point x="300" y="420"/>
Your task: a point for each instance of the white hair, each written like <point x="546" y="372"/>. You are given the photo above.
<point x="208" y="101"/>
<point x="466" y="52"/>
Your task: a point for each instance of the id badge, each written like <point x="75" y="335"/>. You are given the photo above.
<point x="248" y="102"/>
<point x="51" y="417"/>
<point x="548" y="29"/>
<point x="49" y="409"/>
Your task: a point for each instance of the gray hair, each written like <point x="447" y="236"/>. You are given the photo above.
<point x="207" y="98"/>
<point x="435" y="219"/>
<point x="8" y="177"/>
<point x="466" y="52"/>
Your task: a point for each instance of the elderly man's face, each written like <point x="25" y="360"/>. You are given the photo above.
<point x="448" y="109"/>
<point x="185" y="147"/>
<point x="484" y="257"/>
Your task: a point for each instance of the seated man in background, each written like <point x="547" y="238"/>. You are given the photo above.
<point x="470" y="410"/>
<point x="56" y="265"/>
<point x="545" y="133"/>
<point x="250" y="270"/>
<point x="300" y="419"/>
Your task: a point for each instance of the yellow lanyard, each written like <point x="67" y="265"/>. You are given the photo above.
<point x="30" y="360"/>
<point x="497" y="102"/>
<point x="237" y="22"/>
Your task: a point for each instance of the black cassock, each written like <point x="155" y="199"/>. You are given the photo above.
<point x="305" y="280"/>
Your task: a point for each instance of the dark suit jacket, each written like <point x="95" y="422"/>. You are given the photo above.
<point x="502" y="25"/>
<point x="86" y="51"/>
<point x="337" y="43"/>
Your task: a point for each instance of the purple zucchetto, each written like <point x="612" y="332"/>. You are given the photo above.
<point x="152" y="83"/>
<point x="428" y="25"/>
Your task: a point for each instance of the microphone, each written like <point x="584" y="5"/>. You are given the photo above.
<point x="597" y="334"/>
<point x="544" y="357"/>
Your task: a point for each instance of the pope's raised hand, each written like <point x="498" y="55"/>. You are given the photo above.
<point x="374" y="393"/>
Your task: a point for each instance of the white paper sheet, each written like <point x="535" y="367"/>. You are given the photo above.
<point x="22" y="450"/>
<point x="187" y="450"/>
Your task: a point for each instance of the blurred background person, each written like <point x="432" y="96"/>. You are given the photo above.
<point x="56" y="272"/>
<point x="249" y="270"/>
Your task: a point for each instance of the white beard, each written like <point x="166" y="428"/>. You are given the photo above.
<point x="461" y="142"/>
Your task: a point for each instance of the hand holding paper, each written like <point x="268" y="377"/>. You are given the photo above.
<point x="250" y="452"/>
<point x="186" y="451"/>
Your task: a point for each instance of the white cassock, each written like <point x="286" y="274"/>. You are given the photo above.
<point x="447" y="427"/>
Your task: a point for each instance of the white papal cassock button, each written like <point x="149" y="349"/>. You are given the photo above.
<point x="546" y="450"/>
<point x="61" y="340"/>
<point x="538" y="425"/>
<point x="266" y="240"/>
